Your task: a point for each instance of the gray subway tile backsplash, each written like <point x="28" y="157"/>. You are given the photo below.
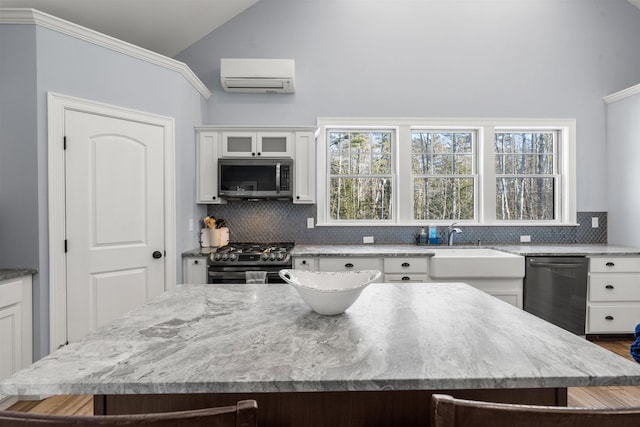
<point x="272" y="221"/>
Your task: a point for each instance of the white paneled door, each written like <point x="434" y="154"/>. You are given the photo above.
<point x="114" y="217"/>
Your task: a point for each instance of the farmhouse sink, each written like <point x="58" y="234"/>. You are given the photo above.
<point x="475" y="263"/>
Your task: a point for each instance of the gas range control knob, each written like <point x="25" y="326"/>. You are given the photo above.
<point x="217" y="257"/>
<point x="280" y="257"/>
<point x="225" y="257"/>
<point x="272" y="257"/>
<point x="265" y="257"/>
<point x="232" y="257"/>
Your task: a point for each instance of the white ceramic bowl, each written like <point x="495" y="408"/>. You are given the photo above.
<point x="328" y="292"/>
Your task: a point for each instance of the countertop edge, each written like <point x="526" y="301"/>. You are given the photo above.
<point x="409" y="250"/>
<point x="12" y="273"/>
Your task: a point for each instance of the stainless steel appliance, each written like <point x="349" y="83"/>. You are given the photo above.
<point x="230" y="263"/>
<point x="555" y="289"/>
<point x="255" y="178"/>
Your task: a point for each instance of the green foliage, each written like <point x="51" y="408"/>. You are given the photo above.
<point x="444" y="177"/>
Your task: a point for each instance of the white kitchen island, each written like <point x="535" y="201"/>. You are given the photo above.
<point x="376" y="364"/>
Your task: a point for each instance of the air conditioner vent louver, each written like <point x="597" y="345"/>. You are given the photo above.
<point x="257" y="75"/>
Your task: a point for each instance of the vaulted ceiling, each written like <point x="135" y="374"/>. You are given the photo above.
<point x="163" y="26"/>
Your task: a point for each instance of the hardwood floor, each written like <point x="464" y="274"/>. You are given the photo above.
<point x="63" y="405"/>
<point x="607" y="397"/>
<point x="594" y="397"/>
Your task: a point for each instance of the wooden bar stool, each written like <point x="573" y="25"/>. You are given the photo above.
<point x="447" y="411"/>
<point x="243" y="414"/>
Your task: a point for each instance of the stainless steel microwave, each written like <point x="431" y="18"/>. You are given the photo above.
<point x="255" y="178"/>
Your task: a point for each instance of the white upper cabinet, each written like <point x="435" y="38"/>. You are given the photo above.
<point x="216" y="142"/>
<point x="304" y="165"/>
<point x="257" y="144"/>
<point x="207" y="150"/>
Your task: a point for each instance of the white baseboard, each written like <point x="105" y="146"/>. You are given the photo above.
<point x="7" y="401"/>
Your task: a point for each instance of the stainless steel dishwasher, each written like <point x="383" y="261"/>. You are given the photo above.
<point x="555" y="289"/>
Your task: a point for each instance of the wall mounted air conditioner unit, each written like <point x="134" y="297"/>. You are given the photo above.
<point x="257" y="75"/>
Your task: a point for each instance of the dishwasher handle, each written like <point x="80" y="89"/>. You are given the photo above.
<point x="538" y="264"/>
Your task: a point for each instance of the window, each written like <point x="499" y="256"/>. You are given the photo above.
<point x="412" y="171"/>
<point x="443" y="167"/>
<point x="360" y="175"/>
<point x="525" y="175"/>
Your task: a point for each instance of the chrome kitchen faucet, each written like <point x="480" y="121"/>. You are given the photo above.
<point x="451" y="232"/>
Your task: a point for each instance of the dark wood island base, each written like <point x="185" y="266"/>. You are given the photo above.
<point x="335" y="409"/>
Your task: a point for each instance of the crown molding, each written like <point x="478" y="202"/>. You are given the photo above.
<point x="624" y="93"/>
<point x="23" y="16"/>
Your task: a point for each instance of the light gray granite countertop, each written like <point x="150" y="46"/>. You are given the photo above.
<point x="263" y="338"/>
<point x="414" y="250"/>
<point x="362" y="250"/>
<point x="567" y="250"/>
<point x="12" y="273"/>
<point x="199" y="252"/>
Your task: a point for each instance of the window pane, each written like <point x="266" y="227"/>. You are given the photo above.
<point x="442" y="164"/>
<point x="381" y="153"/>
<point x="443" y="198"/>
<point x="420" y="142"/>
<point x="360" y="198"/>
<point x="338" y="152"/>
<point x="463" y="143"/>
<point x="441" y="153"/>
<point x="525" y="164"/>
<point x="360" y="174"/>
<point x="525" y="198"/>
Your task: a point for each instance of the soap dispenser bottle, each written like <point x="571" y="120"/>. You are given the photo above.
<point x="422" y="237"/>
<point x="433" y="235"/>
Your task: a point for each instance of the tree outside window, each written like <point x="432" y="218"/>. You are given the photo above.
<point x="443" y="168"/>
<point x="361" y="175"/>
<point x="525" y="167"/>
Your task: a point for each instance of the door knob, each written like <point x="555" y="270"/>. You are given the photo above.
<point x="157" y="254"/>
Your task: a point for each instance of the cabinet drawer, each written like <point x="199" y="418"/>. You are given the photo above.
<point x="613" y="319"/>
<point x="349" y="263"/>
<point x="404" y="278"/>
<point x="10" y="293"/>
<point x="406" y="265"/>
<point x="614" y="287"/>
<point x="614" y="264"/>
<point x="306" y="264"/>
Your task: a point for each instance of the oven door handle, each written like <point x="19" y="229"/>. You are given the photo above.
<point x="230" y="274"/>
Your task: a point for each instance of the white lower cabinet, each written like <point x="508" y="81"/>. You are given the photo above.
<point x="613" y="295"/>
<point x="399" y="269"/>
<point x="406" y="269"/>
<point x="349" y="263"/>
<point x="305" y="263"/>
<point x="394" y="269"/>
<point x="15" y="327"/>
<point x="194" y="270"/>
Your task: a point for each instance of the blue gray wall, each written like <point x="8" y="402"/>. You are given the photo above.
<point x="623" y="149"/>
<point x="43" y="60"/>
<point x="434" y="58"/>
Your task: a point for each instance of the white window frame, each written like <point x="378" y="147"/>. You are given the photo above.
<point x="475" y="169"/>
<point x="486" y="182"/>
<point x="346" y="124"/>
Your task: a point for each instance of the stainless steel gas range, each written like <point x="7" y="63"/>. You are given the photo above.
<point x="236" y="262"/>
